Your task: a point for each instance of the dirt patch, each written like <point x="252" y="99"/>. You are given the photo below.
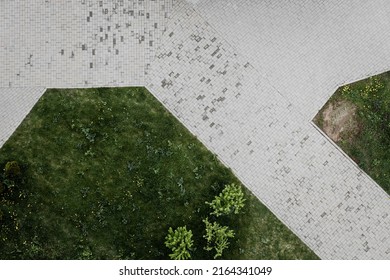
<point x="339" y="120"/>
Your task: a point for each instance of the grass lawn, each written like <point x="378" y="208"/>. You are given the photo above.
<point x="365" y="133"/>
<point x="106" y="172"/>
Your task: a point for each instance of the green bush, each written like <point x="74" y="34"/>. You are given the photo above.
<point x="12" y="170"/>
<point x="217" y="237"/>
<point x="230" y="200"/>
<point x="180" y="242"/>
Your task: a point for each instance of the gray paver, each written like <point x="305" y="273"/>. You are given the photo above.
<point x="79" y="43"/>
<point x="304" y="179"/>
<point x="306" y="48"/>
<point x="15" y="104"/>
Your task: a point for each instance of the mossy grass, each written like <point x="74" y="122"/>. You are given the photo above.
<point x="107" y="171"/>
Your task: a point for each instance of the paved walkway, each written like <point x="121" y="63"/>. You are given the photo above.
<point x="244" y="95"/>
<point x="306" y="48"/>
<point x="15" y="104"/>
<point x="79" y="43"/>
<point x="270" y="145"/>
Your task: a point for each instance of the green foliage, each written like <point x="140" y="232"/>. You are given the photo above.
<point x="10" y="179"/>
<point x="230" y="200"/>
<point x="369" y="148"/>
<point x="143" y="170"/>
<point x="217" y="237"/>
<point x="180" y="242"/>
<point x="12" y="170"/>
<point x="89" y="135"/>
<point x="9" y="184"/>
<point x="86" y="253"/>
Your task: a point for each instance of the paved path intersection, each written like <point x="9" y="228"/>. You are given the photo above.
<point x="247" y="86"/>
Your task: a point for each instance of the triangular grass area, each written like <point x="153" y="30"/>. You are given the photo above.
<point x="107" y="171"/>
<point x="359" y="114"/>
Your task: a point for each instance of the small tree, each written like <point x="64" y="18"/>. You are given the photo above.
<point x="180" y="242"/>
<point x="230" y="200"/>
<point x="217" y="237"/>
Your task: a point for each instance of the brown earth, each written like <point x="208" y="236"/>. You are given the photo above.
<point x="339" y="120"/>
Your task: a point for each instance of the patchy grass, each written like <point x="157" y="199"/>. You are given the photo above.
<point x="106" y="172"/>
<point x="367" y="140"/>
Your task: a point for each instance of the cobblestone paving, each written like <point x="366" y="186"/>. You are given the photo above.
<point x="229" y="96"/>
<point x="306" y="48"/>
<point x="79" y="43"/>
<point x="306" y="181"/>
<point x="15" y="104"/>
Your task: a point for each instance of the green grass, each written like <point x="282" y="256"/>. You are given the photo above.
<point x="370" y="147"/>
<point x="108" y="171"/>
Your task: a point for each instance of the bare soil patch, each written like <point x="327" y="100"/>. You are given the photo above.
<point x="339" y="120"/>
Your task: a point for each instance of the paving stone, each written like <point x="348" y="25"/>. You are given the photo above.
<point x="15" y="104"/>
<point x="79" y="43"/>
<point x="306" y="48"/>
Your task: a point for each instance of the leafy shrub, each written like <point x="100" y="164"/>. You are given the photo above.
<point x="217" y="237"/>
<point x="12" y="170"/>
<point x="230" y="200"/>
<point x="180" y="242"/>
